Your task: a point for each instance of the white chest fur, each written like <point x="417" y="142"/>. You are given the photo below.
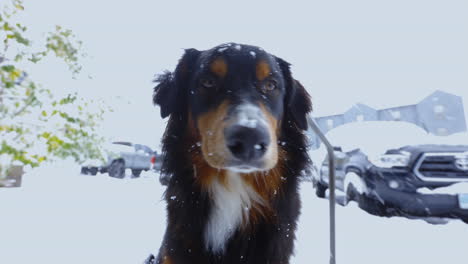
<point x="231" y="203"/>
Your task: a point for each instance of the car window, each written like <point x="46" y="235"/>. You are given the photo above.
<point x="143" y="149"/>
<point x="120" y="148"/>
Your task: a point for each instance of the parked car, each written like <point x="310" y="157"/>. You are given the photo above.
<point x="122" y="156"/>
<point x="397" y="169"/>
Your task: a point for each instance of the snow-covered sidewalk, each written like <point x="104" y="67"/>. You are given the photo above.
<point x="59" y="216"/>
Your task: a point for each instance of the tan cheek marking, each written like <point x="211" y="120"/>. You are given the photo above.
<point x="272" y="121"/>
<point x="271" y="156"/>
<point x="165" y="257"/>
<point x="203" y="172"/>
<point x="219" y="67"/>
<point x="206" y="175"/>
<point x="167" y="260"/>
<point x="211" y="128"/>
<point x="262" y="70"/>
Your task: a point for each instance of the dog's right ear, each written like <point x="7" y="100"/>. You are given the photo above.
<point x="171" y="86"/>
<point x="297" y="101"/>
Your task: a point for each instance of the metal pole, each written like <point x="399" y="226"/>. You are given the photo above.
<point x="331" y="186"/>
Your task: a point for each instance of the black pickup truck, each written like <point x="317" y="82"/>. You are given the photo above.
<point x="412" y="181"/>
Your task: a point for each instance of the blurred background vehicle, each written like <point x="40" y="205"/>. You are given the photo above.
<point x="400" y="171"/>
<point x="415" y="164"/>
<point x="122" y="156"/>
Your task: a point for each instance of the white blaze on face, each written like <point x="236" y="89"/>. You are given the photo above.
<point x="250" y="116"/>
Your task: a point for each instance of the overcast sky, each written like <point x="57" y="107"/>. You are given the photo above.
<point x="382" y="53"/>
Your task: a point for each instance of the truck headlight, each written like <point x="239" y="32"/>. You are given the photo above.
<point x="391" y="160"/>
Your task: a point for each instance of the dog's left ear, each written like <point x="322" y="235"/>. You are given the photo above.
<point x="297" y="100"/>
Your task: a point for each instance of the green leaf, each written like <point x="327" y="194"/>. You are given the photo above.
<point x="20" y="39"/>
<point x="19" y="7"/>
<point x="8" y="68"/>
<point x="7" y="27"/>
<point x="18" y="57"/>
<point x="46" y="135"/>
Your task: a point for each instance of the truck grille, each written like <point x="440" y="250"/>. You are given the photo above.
<point x="439" y="167"/>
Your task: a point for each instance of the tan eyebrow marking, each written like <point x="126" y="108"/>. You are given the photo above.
<point x="219" y="67"/>
<point x="262" y="70"/>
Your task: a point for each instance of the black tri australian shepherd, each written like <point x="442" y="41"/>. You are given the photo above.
<point x="234" y="147"/>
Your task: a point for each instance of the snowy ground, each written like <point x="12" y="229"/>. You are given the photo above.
<point x="59" y="216"/>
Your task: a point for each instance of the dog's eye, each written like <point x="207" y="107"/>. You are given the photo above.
<point x="208" y="82"/>
<point x="269" y="86"/>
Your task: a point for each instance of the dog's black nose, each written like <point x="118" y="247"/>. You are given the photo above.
<point x="246" y="143"/>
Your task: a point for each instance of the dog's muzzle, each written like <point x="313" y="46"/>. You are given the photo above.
<point x="247" y="144"/>
<point x="247" y="137"/>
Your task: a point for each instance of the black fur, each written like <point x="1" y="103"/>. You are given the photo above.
<point x="167" y="93"/>
<point x="188" y="207"/>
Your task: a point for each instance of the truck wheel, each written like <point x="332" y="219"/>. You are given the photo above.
<point x="351" y="193"/>
<point x="117" y="169"/>
<point x="354" y="186"/>
<point x="320" y="190"/>
<point x="84" y="170"/>
<point x="93" y="171"/>
<point x="136" y="173"/>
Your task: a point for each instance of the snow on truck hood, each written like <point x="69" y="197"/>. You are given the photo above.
<point x="374" y="138"/>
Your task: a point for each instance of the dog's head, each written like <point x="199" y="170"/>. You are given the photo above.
<point x="236" y="98"/>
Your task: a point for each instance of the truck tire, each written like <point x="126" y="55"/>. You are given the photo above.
<point x="354" y="186"/>
<point x="136" y="173"/>
<point x="320" y="190"/>
<point x="84" y="170"/>
<point x="117" y="169"/>
<point x="93" y="171"/>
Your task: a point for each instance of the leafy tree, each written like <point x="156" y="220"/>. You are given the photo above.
<point x="37" y="125"/>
